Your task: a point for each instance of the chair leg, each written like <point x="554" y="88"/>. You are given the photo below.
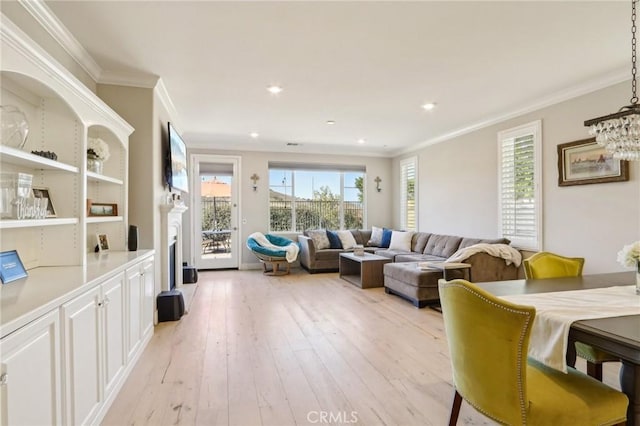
<point x="455" y="409"/>
<point x="594" y="370"/>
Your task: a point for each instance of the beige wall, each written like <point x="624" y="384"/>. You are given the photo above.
<point x="141" y="107"/>
<point x="254" y="205"/>
<point x="458" y="186"/>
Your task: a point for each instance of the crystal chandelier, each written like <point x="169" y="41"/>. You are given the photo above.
<point x="619" y="133"/>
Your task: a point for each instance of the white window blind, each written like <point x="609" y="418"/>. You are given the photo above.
<point x="519" y="185"/>
<point x="408" y="194"/>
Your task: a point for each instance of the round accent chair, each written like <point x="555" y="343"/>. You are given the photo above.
<point x="273" y="251"/>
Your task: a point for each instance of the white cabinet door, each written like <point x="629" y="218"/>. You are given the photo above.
<point x="148" y="300"/>
<point x="134" y="291"/>
<point x="82" y="356"/>
<point x="30" y="390"/>
<point x="113" y="322"/>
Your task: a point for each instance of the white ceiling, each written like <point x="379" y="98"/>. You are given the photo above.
<point x="367" y="65"/>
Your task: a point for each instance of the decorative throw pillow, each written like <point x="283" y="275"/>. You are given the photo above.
<point x="376" y="236"/>
<point x="334" y="240"/>
<point x="400" y="240"/>
<point x="320" y="239"/>
<point x="386" y="238"/>
<point x="347" y="240"/>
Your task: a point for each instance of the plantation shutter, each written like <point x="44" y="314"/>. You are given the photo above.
<point x="408" y="219"/>
<point x="519" y="186"/>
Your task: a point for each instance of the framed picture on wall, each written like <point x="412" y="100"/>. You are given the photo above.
<point x="583" y="162"/>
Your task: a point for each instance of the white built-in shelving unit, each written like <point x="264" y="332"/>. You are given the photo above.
<point x="62" y="114"/>
<point x="72" y="331"/>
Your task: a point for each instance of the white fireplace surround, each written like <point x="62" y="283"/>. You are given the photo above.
<point x="171" y="222"/>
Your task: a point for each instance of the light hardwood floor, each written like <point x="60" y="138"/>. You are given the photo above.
<point x="294" y="350"/>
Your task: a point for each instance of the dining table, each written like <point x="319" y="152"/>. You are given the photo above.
<point x="618" y="335"/>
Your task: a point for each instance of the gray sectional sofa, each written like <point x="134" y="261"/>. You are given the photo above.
<point x="425" y="246"/>
<point x="403" y="277"/>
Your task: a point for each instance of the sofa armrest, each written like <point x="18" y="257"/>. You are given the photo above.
<point x="307" y="252"/>
<point x="485" y="267"/>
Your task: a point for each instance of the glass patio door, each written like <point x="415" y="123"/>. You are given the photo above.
<point x="215" y="212"/>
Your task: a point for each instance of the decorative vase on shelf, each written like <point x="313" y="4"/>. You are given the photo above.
<point x="94" y="164"/>
<point x="14" y="126"/>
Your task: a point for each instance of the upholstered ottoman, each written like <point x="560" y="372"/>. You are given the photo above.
<point x="418" y="286"/>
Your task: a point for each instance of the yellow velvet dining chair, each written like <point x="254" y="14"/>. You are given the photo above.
<point x="544" y="265"/>
<point x="488" y="342"/>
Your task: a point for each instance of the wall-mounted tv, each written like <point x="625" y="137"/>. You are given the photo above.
<point x="177" y="177"/>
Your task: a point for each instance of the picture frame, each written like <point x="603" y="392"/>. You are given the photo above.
<point x="585" y="162"/>
<point x="11" y="267"/>
<point x="103" y="242"/>
<point x="102" y="209"/>
<point x="40" y="192"/>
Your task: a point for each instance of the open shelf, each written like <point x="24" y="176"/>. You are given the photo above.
<point x="104" y="219"/>
<point x="22" y="158"/>
<point x="95" y="177"/>
<point x="32" y="223"/>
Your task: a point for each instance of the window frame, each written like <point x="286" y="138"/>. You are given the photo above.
<point x="533" y="128"/>
<point x="340" y="170"/>
<point x="404" y="210"/>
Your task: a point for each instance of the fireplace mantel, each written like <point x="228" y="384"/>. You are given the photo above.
<point x="171" y="224"/>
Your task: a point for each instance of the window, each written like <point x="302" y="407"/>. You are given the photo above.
<point x="408" y="194"/>
<point x="519" y="182"/>
<point x="313" y="196"/>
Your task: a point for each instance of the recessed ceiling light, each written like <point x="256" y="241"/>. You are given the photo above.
<point x="274" y="89"/>
<point x="361" y="141"/>
<point x="429" y="106"/>
<point x="331" y="122"/>
<point x="254" y="135"/>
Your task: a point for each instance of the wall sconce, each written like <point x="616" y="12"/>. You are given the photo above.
<point x="255" y="179"/>
<point x="377" y="180"/>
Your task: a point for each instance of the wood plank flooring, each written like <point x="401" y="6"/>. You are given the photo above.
<point x="298" y="349"/>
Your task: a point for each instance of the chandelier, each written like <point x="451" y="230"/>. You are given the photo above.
<point x="619" y="133"/>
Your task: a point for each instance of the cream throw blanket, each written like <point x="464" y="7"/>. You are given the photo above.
<point x="555" y="312"/>
<point x="291" y="251"/>
<point x="504" y="251"/>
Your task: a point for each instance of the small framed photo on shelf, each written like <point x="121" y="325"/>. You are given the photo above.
<point x="44" y="193"/>
<point x="11" y="267"/>
<point x="102" y="209"/>
<point x="103" y="242"/>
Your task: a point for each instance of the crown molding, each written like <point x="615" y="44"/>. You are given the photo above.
<point x="17" y="39"/>
<point x="165" y="98"/>
<point x="146" y="81"/>
<point x="614" y="77"/>
<point x="50" y="22"/>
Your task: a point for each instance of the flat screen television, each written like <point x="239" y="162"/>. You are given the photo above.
<point x="177" y="176"/>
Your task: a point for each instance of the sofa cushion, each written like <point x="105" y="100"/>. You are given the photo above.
<point x="400" y="240"/>
<point x="347" y="239"/>
<point x="419" y="241"/>
<point x="334" y="240"/>
<point x="442" y="245"/>
<point x="467" y="242"/>
<point x="328" y="255"/>
<point x="386" y="238"/>
<point x="391" y="254"/>
<point x="414" y="257"/>
<point x="320" y="239"/>
<point x="376" y="236"/>
<point x="365" y="236"/>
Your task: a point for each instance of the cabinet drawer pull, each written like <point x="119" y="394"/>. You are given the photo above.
<point x="3" y="379"/>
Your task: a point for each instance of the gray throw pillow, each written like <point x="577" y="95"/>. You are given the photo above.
<point x="376" y="237"/>
<point x="320" y="239"/>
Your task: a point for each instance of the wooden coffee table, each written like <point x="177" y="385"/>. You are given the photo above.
<point x="364" y="271"/>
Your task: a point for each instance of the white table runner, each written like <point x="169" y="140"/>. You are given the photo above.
<point x="555" y="312"/>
